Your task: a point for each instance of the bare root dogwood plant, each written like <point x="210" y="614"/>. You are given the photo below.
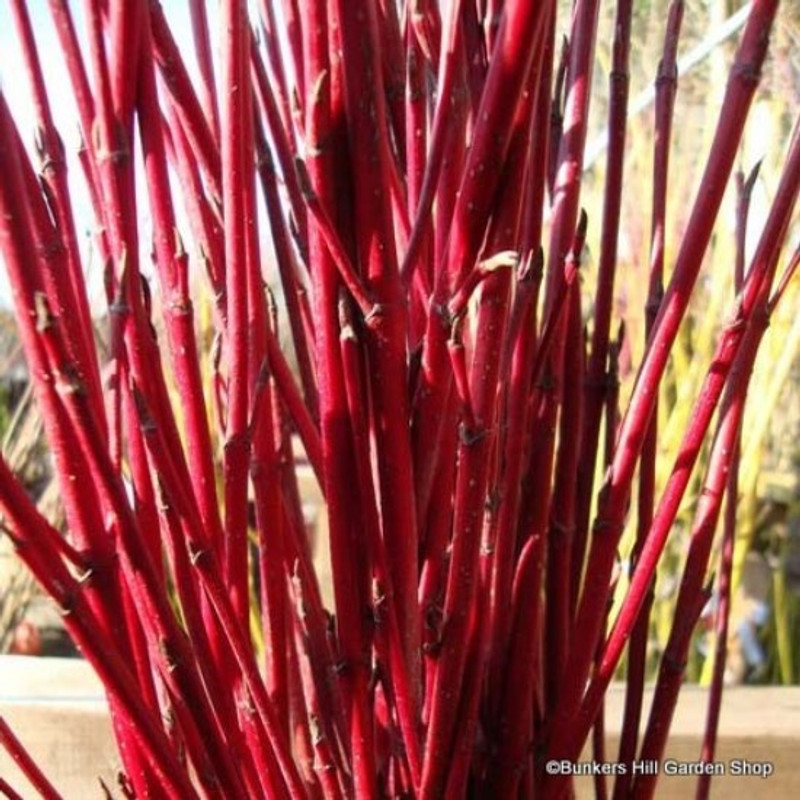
<point x="414" y="170"/>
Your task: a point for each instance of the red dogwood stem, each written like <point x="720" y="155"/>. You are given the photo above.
<point x="614" y="496"/>
<point x="570" y="733"/>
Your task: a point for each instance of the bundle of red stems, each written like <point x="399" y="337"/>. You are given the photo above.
<point x="419" y="167"/>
